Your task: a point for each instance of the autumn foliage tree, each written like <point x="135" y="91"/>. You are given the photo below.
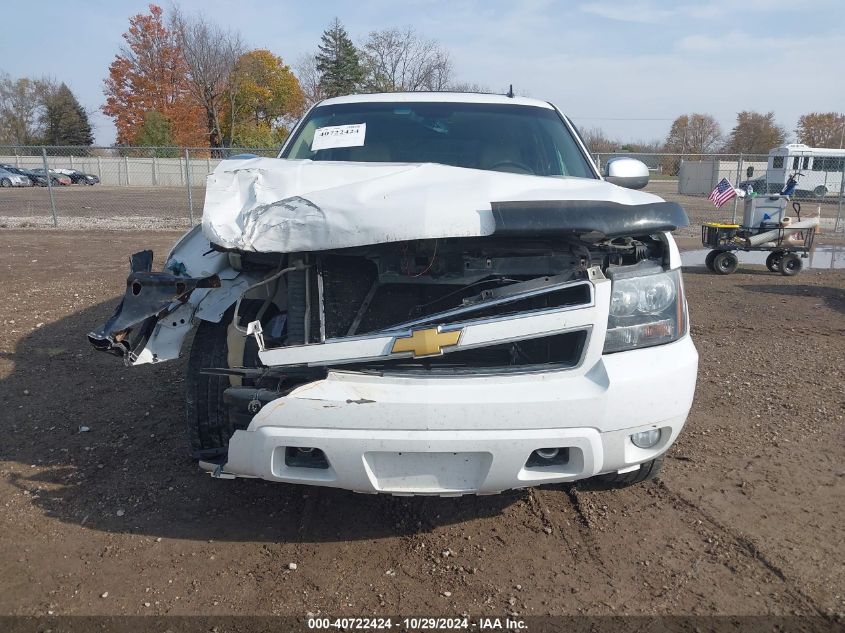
<point x="150" y="75"/>
<point x="755" y="133"/>
<point x="264" y="97"/>
<point x="822" y="129"/>
<point x="694" y="134"/>
<point x="597" y="141"/>
<point x="691" y="134"/>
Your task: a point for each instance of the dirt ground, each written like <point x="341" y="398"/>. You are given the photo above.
<point x="747" y="518"/>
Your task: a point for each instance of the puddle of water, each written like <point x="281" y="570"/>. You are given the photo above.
<point x="826" y="256"/>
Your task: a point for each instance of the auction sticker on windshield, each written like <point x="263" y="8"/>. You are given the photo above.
<point x="339" y="136"/>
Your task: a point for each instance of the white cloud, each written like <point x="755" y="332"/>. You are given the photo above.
<point x="661" y="11"/>
<point x="641" y="12"/>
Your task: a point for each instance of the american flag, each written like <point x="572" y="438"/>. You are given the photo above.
<point x="723" y="192"/>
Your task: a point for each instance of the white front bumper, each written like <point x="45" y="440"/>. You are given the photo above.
<point x="472" y="434"/>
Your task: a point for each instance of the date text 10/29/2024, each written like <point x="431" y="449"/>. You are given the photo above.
<point x="417" y="624"/>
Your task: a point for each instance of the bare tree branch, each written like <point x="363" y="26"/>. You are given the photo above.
<point x="400" y="60"/>
<point x="309" y="77"/>
<point x="210" y="53"/>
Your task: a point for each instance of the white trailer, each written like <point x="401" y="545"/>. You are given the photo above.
<point x="821" y="169"/>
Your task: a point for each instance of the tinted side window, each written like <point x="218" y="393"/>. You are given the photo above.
<point x="777" y="162"/>
<point x="828" y="163"/>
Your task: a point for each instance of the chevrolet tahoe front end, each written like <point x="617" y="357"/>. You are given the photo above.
<point x="386" y="319"/>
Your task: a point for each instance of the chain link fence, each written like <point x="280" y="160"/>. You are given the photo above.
<point x="109" y="188"/>
<point x="164" y="187"/>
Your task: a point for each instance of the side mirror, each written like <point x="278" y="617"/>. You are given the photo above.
<point x="749" y="172"/>
<point x="626" y="172"/>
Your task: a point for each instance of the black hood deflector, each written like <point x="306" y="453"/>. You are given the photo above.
<point x="587" y="218"/>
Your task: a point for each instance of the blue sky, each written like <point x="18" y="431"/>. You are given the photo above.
<point x="627" y="67"/>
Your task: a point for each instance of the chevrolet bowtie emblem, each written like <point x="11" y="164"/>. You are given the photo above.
<point x="426" y="342"/>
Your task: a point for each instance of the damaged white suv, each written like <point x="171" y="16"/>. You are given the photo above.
<point x="427" y="293"/>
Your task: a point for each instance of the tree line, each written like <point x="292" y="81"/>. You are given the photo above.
<point x="183" y="80"/>
<point x="41" y="112"/>
<point x="754" y="133"/>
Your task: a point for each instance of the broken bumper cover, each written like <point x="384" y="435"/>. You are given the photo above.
<point x="450" y="436"/>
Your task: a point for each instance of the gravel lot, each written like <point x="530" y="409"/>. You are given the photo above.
<point x="747" y="518"/>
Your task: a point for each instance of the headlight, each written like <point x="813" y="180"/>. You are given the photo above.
<point x="645" y="310"/>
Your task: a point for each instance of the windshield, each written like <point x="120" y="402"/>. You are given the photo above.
<point x="500" y="137"/>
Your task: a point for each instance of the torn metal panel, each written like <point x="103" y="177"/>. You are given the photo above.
<point x="286" y="206"/>
<point x="148" y="296"/>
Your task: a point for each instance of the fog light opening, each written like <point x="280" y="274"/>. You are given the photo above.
<point x="646" y="439"/>
<point x="548" y="457"/>
<point x="305" y="457"/>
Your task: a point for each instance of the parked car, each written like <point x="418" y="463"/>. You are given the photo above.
<point x="761" y="186"/>
<point x="56" y="178"/>
<point x="425" y="293"/>
<point x="34" y="179"/>
<point x="758" y="186"/>
<point x="11" y="179"/>
<point x="78" y="178"/>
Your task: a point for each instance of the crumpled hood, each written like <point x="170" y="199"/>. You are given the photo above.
<point x="280" y="205"/>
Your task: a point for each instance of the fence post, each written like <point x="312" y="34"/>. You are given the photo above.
<point x="126" y="168"/>
<point x="71" y="161"/>
<point x="155" y="169"/>
<point x="49" y="185"/>
<point x="188" y="181"/>
<point x="841" y="195"/>
<point x="736" y="198"/>
<point x="99" y="169"/>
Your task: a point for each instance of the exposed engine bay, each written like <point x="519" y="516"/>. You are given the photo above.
<point x="334" y="295"/>
<point x="338" y="299"/>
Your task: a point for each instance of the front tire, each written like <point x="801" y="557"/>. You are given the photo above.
<point x="647" y="470"/>
<point x="5" y="183"/>
<point x="773" y="261"/>
<point x="207" y="417"/>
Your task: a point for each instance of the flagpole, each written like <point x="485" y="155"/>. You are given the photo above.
<point x="736" y="198"/>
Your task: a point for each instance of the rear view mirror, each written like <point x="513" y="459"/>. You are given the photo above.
<point x="626" y="172"/>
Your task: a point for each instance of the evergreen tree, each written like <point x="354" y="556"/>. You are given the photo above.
<point x="156" y="131"/>
<point x="338" y="62"/>
<point x="65" y="120"/>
